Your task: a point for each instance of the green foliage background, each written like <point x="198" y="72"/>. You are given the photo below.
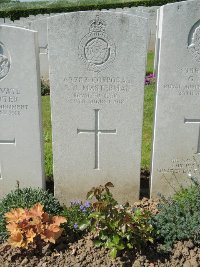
<point x="15" y="10"/>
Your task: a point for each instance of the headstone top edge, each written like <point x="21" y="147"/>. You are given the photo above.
<point x="16" y="27"/>
<point x="39" y="19"/>
<point x="182" y="3"/>
<point x="118" y="13"/>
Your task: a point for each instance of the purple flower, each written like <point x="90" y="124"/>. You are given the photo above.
<point x="82" y="207"/>
<point x="147" y="82"/>
<point x="75" y="226"/>
<point x="151" y="75"/>
<point x="87" y="204"/>
<point x="149" y="79"/>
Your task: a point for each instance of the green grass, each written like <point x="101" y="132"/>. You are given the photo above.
<point x="150" y="62"/>
<point x="48" y="158"/>
<point x="149" y="92"/>
<point x="147" y="125"/>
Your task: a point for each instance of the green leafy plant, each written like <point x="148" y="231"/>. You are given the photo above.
<point x="26" y="198"/>
<point x="179" y="217"/>
<point x="116" y="227"/>
<point x="76" y="213"/>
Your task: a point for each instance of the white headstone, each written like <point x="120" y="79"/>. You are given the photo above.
<point x="41" y="16"/>
<point x="19" y="23"/>
<point x="31" y="17"/>
<point x="20" y="135"/>
<point x="8" y="21"/>
<point x="97" y="69"/>
<point x="157" y="43"/>
<point x="40" y="26"/>
<point x="176" y="144"/>
<point x="22" y="22"/>
<point x="150" y="13"/>
<point x="152" y="26"/>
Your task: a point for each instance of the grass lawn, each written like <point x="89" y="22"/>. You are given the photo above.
<point x="150" y="62"/>
<point x="147" y="125"/>
<point x="48" y="158"/>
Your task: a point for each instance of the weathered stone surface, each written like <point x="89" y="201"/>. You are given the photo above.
<point x="40" y="25"/>
<point x="176" y="144"/>
<point x="8" y="21"/>
<point x="157" y="43"/>
<point x="20" y="135"/>
<point x="20" y="23"/>
<point x="152" y="27"/>
<point x="140" y="12"/>
<point x="97" y="69"/>
<point x="151" y="14"/>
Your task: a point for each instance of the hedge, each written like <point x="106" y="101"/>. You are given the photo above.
<point x="16" y="10"/>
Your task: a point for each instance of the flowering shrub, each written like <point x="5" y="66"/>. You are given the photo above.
<point x="116" y="227"/>
<point x="149" y="79"/>
<point x="76" y="213"/>
<point x="32" y="226"/>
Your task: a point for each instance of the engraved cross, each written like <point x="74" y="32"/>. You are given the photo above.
<point x="96" y="133"/>
<point x="6" y="142"/>
<point x="197" y="121"/>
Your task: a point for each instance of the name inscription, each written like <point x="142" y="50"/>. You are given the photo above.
<point x="10" y="102"/>
<point x="190" y="85"/>
<point x="97" y="90"/>
<point x="182" y="166"/>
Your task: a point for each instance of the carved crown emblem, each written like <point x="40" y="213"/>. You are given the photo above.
<point x="96" y="49"/>
<point x="97" y="25"/>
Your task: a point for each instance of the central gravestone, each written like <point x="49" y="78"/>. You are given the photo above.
<point x="97" y="69"/>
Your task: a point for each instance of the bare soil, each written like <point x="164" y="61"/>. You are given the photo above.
<point x="80" y="252"/>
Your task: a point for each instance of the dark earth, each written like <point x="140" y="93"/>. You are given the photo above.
<point x="80" y="251"/>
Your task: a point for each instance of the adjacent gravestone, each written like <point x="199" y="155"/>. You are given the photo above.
<point x="97" y="69"/>
<point x="8" y="21"/>
<point x="157" y="43"/>
<point x="40" y="25"/>
<point x="23" y="22"/>
<point x="140" y="12"/>
<point x="20" y="120"/>
<point x="150" y="13"/>
<point x="20" y="23"/>
<point x="176" y="144"/>
<point x="152" y="25"/>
